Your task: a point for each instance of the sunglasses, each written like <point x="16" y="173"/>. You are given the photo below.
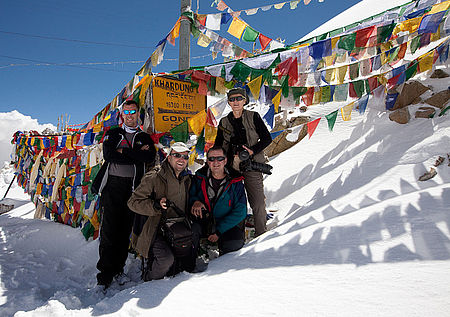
<point x="178" y="155"/>
<point x="218" y="158"/>
<point x="129" y="111"/>
<point x="238" y="98"/>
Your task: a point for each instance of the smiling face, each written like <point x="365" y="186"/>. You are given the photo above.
<point x="178" y="160"/>
<point x="129" y="119"/>
<point x="216" y="166"/>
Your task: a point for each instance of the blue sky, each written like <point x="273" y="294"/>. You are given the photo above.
<point x="120" y="32"/>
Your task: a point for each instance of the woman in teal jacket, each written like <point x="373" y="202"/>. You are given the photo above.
<point x="217" y="193"/>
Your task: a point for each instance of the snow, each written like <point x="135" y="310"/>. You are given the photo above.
<point x="355" y="233"/>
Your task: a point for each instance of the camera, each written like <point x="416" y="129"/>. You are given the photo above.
<point x="247" y="164"/>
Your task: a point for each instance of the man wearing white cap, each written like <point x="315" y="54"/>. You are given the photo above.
<point x="162" y="195"/>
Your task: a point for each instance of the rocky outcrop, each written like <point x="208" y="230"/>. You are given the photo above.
<point x="425" y="112"/>
<point x="440" y="99"/>
<point x="410" y="94"/>
<point x="439" y="73"/>
<point x="401" y="116"/>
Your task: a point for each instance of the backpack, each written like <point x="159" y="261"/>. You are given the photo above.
<point x="178" y="234"/>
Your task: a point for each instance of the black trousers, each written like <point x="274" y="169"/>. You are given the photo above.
<point x="116" y="225"/>
<point x="229" y="241"/>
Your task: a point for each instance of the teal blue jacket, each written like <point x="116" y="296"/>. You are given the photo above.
<point x="231" y="206"/>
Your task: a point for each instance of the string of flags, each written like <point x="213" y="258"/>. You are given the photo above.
<point x="351" y="68"/>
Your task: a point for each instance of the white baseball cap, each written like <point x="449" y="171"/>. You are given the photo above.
<point x="179" y="147"/>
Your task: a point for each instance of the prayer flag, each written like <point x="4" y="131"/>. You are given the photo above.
<point x="346" y="111"/>
<point x="255" y="87"/>
<point x="250" y="35"/>
<point x="237" y="27"/>
<point x="363" y="35"/>
<point x="268" y="117"/>
<point x="276" y="100"/>
<point x="312" y="125"/>
<point x="362" y="104"/>
<point x="331" y="119"/>
<point x="180" y="133"/>
<point x="347" y="42"/>
<point x="264" y="41"/>
<point x="426" y="61"/>
<point x="391" y="98"/>
<point x="213" y="21"/>
<point x="197" y="122"/>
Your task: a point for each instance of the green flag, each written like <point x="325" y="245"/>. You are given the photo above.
<point x="384" y="32"/>
<point x="326" y="94"/>
<point x="331" y="119"/>
<point x="250" y="35"/>
<point x="240" y="71"/>
<point x="415" y="43"/>
<point x="298" y="92"/>
<point x="285" y="86"/>
<point x="347" y="42"/>
<point x="180" y="133"/>
<point x="411" y="70"/>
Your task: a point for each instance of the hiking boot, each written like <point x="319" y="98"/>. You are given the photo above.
<point x="100" y="289"/>
<point x="122" y="279"/>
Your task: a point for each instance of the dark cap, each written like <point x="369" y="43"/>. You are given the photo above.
<point x="238" y="91"/>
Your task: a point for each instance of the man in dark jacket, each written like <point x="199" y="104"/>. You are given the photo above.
<point x="244" y="129"/>
<point x="215" y="191"/>
<point x="162" y="195"/>
<point x="126" y="151"/>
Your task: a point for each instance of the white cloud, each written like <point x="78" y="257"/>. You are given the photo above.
<point x="13" y="121"/>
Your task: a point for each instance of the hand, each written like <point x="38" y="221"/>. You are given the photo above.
<point x="145" y="147"/>
<point x="163" y="203"/>
<point x="213" y="238"/>
<point x="249" y="150"/>
<point x="196" y="209"/>
<point x="119" y="150"/>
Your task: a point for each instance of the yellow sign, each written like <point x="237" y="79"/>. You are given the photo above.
<point x="174" y="101"/>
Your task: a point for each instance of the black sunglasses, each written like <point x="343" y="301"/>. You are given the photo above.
<point x="219" y="158"/>
<point x="237" y="98"/>
<point x="178" y="155"/>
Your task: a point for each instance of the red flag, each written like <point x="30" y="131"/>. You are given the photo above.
<point x="293" y="73"/>
<point x="373" y="82"/>
<point x="156" y="136"/>
<point x="284" y="67"/>
<point x="362" y="36"/>
<point x="264" y="41"/>
<point x="402" y="51"/>
<point x="312" y="125"/>
<point x="308" y="96"/>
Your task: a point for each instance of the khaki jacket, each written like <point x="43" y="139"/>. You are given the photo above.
<point x="158" y="184"/>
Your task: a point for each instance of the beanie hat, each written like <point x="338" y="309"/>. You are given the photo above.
<point x="238" y="91"/>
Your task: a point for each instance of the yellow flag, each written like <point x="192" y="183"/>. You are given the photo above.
<point x="347" y="111"/>
<point x="276" y="100"/>
<point x="210" y="133"/>
<point x="237" y="27"/>
<point x="382" y="79"/>
<point x="340" y="74"/>
<point x="329" y="74"/>
<point x="334" y="41"/>
<point x="435" y="36"/>
<point x="192" y="157"/>
<point x="69" y="142"/>
<point x="255" y="86"/>
<point x="317" y="96"/>
<point x="329" y="59"/>
<point x="220" y="85"/>
<point x="154" y="58"/>
<point x="426" y="61"/>
<point x="440" y="7"/>
<point x="145" y="82"/>
<point x="383" y="58"/>
<point x="197" y="122"/>
<point x="203" y="40"/>
<point x="414" y="24"/>
<point x="176" y="30"/>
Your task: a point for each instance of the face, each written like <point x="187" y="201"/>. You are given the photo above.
<point x="235" y="104"/>
<point x="216" y="166"/>
<point x="130" y="120"/>
<point x="178" y="160"/>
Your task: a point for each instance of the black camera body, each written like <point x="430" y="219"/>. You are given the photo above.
<point x="247" y="164"/>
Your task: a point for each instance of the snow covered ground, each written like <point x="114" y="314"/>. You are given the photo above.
<point x="355" y="234"/>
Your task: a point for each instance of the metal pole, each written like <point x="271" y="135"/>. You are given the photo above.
<point x="185" y="44"/>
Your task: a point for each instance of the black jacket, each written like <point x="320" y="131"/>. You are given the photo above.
<point x="134" y="155"/>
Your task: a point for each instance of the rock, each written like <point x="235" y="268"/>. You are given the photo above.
<point x="410" y="92"/>
<point x="439" y="73"/>
<point x="440" y="99"/>
<point x="428" y="175"/>
<point x="425" y="112"/>
<point x="400" y="116"/>
<point x="439" y="161"/>
<point x="280" y="144"/>
<point x="303" y="108"/>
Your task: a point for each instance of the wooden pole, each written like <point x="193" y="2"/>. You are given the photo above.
<point x="185" y="41"/>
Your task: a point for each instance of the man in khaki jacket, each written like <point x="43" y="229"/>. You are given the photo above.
<point x="170" y="183"/>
